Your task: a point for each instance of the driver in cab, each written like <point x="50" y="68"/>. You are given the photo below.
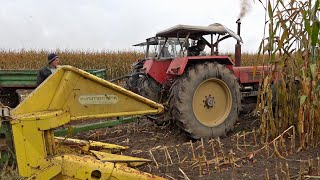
<point x="195" y="50"/>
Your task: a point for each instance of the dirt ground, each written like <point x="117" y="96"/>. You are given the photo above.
<point x="240" y="155"/>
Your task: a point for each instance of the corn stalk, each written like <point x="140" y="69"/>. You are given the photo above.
<point x="290" y="92"/>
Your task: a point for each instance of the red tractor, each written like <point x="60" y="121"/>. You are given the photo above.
<point x="203" y="93"/>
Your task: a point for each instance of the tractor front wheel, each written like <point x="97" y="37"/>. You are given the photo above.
<point x="206" y="100"/>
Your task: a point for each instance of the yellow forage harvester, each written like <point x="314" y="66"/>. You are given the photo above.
<point x="71" y="94"/>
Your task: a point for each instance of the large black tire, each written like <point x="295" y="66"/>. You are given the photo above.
<point x="132" y="82"/>
<point x="9" y="97"/>
<point x="217" y="113"/>
<point x="149" y="88"/>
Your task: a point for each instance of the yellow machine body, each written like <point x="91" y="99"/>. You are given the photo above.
<point x="71" y="94"/>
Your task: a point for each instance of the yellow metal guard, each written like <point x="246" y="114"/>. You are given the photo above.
<point x="71" y="94"/>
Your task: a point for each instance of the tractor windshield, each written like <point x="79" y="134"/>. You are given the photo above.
<point x="168" y="48"/>
<point x="161" y="48"/>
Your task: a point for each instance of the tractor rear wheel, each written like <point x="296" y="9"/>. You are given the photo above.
<point x="149" y="88"/>
<point x="206" y="100"/>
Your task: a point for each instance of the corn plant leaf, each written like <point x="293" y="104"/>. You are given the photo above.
<point x="315" y="33"/>
<point x="309" y="4"/>
<point x="318" y="87"/>
<point x="254" y="70"/>
<point x="271" y="33"/>
<point x="306" y="22"/>
<point x="313" y="68"/>
<point x="270" y="12"/>
<point x="293" y="16"/>
<point x="284" y="35"/>
<point x="260" y="49"/>
<point x="315" y="8"/>
<point x="303" y="99"/>
<point x="299" y="59"/>
<point x="291" y="2"/>
<point x="282" y="3"/>
<point x="277" y="3"/>
<point x="262" y="4"/>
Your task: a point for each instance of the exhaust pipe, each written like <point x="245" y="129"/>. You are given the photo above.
<point x="238" y="47"/>
<point x="239" y="26"/>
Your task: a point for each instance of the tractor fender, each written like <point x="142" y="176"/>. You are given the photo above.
<point x="178" y="65"/>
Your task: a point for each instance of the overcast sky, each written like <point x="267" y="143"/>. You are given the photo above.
<point x="117" y="24"/>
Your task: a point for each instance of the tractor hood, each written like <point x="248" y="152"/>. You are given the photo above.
<point x="182" y="31"/>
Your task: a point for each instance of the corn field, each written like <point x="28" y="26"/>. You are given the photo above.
<point x="291" y="91"/>
<point x="117" y="63"/>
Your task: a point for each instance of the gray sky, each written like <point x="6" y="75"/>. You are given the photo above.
<point x="117" y="24"/>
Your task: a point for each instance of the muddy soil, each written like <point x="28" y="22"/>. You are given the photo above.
<point x="239" y="155"/>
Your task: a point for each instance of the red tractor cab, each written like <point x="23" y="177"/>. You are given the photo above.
<point x="202" y="91"/>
